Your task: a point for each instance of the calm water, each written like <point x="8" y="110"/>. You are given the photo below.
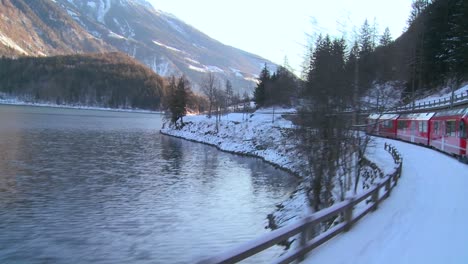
<point x="82" y="186"/>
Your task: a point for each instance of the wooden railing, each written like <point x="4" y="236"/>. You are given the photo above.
<point x="349" y="211"/>
<point x="457" y="100"/>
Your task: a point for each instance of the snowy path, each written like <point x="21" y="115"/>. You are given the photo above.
<point x="425" y="220"/>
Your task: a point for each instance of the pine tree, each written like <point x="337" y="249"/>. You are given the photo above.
<point x="455" y="43"/>
<point x="179" y="98"/>
<point x="229" y="93"/>
<point x="386" y="38"/>
<point x="366" y="64"/>
<point x="260" y="93"/>
<point x="365" y="39"/>
<point x="417" y="7"/>
<point x="283" y="86"/>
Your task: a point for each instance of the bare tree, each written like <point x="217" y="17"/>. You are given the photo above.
<point x="209" y="87"/>
<point x="219" y="103"/>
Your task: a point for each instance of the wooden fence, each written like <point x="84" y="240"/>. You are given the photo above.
<point x="347" y="210"/>
<point x="457" y="100"/>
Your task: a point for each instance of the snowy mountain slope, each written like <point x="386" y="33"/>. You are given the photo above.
<point x="423" y="221"/>
<point x="163" y="42"/>
<point x="159" y="40"/>
<point x="40" y="28"/>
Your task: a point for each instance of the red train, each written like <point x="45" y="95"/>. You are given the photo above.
<point x="445" y="130"/>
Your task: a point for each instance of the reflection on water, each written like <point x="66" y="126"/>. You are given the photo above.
<point x="81" y="186"/>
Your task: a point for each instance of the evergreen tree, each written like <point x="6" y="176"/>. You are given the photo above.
<point x="283" y="86"/>
<point x="366" y="64"/>
<point x="417" y="7"/>
<point x="179" y="98"/>
<point x="455" y="43"/>
<point x="386" y="38"/>
<point x="229" y="93"/>
<point x="260" y="93"/>
<point x="366" y="43"/>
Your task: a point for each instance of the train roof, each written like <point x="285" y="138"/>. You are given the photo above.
<point x="383" y="116"/>
<point x="417" y="116"/>
<point x="460" y="112"/>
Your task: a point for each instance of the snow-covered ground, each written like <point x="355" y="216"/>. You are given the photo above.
<point x="260" y="134"/>
<point x="441" y="95"/>
<point x="257" y="134"/>
<point x="423" y="221"/>
<point x="390" y="95"/>
<point x="264" y="135"/>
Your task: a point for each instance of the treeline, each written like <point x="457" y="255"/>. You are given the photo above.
<point x="108" y="80"/>
<point x="280" y="88"/>
<point x="439" y="31"/>
<point x="432" y="53"/>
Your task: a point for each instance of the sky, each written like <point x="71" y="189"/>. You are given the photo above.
<point x="275" y="29"/>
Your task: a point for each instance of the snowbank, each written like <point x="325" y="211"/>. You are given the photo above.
<point x="259" y="134"/>
<point x="265" y="135"/>
<point x="423" y="221"/>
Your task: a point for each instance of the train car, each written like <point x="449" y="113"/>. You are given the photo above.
<point x="449" y="132"/>
<point x="414" y="127"/>
<point x="384" y="125"/>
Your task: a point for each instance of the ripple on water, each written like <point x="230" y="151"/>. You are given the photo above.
<point x="80" y="186"/>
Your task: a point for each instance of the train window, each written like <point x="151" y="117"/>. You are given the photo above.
<point x="388" y="124"/>
<point x="436" y="128"/>
<point x="450" y="128"/>
<point x="423" y="127"/>
<point x="463" y="130"/>
<point x="401" y="124"/>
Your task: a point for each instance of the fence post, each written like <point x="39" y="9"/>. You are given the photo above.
<point x="388" y="185"/>
<point x="348" y="214"/>
<point x="400" y="167"/>
<point x="305" y="235"/>
<point x="375" y="199"/>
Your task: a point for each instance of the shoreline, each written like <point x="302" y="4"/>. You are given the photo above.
<point x="259" y="136"/>
<point x="80" y="107"/>
<point x="243" y="154"/>
<point x="256" y="136"/>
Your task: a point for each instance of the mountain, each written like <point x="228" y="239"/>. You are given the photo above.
<point x="112" y="80"/>
<point x="161" y="41"/>
<point x="41" y="28"/>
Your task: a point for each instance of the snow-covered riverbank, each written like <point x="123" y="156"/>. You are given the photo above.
<point x="264" y="135"/>
<point x="256" y="134"/>
<point x="260" y="134"/>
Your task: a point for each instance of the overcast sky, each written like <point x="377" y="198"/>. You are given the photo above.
<point x="274" y="29"/>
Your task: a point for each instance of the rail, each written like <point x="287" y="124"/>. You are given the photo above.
<point x="457" y="100"/>
<point x="349" y="211"/>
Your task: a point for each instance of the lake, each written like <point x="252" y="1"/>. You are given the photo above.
<point x="88" y="186"/>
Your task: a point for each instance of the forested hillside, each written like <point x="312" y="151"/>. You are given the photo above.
<point x="108" y="80"/>
<point x="41" y="28"/>
<point x="358" y="77"/>
<point x="159" y="40"/>
<point x="432" y="53"/>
